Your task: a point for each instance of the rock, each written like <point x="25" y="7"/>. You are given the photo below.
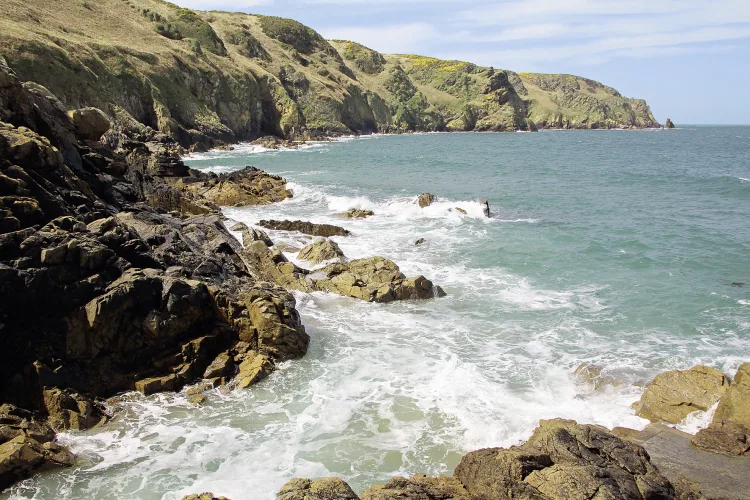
<point x="737" y="284"/>
<point x="154" y="385"/>
<point x="330" y="488"/>
<point x="375" y="280"/>
<point x="196" y="399"/>
<point x="669" y="124"/>
<point x="356" y="213"/>
<point x="592" y="376"/>
<point x="426" y="199"/>
<point x="686" y="489"/>
<point x="562" y="460"/>
<point x="420" y="241"/>
<point x="203" y="496"/>
<point x="89" y="123"/>
<point x="254" y="368"/>
<point x="673" y="395"/>
<point x="460" y="210"/>
<point x="324" y="230"/>
<point x="240" y="226"/>
<point x="725" y="437"/>
<point x="283" y="246"/>
<point x="485" y="207"/>
<point x="222" y="366"/>
<point x="734" y="405"/>
<point x="418" y="487"/>
<point x="321" y="251"/>
<point x="249" y="186"/>
<point x="251" y="235"/>
<point x="68" y="409"/>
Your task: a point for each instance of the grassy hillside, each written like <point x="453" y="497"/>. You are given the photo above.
<point x="210" y="77"/>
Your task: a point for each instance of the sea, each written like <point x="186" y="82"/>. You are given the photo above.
<point x="627" y="252"/>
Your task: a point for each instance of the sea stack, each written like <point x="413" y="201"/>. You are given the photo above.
<point x="669" y="124"/>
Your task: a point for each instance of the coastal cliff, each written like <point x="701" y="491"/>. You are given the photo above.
<point x="211" y="78"/>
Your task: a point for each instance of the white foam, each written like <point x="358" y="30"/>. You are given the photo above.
<point x="697" y="420"/>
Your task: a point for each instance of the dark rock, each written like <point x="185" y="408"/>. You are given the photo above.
<point x="89" y="123"/>
<point x="420" y="241"/>
<point x="426" y="199"/>
<point x="669" y="124"/>
<point x="325" y="230"/>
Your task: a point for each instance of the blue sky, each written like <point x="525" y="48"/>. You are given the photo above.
<point x="690" y="59"/>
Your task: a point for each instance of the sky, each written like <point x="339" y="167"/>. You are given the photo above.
<point x="690" y="59"/>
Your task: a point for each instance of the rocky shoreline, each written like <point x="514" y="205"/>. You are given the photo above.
<point x="118" y="273"/>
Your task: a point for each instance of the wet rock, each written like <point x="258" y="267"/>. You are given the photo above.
<point x="375" y="280"/>
<point x="485" y="207"/>
<point x="420" y="241"/>
<point x="251" y="235"/>
<point x="249" y="186"/>
<point x="418" y="487"/>
<point x="591" y="375"/>
<point x="324" y="230"/>
<point x="89" y="123"/>
<point x="356" y="213"/>
<point x="203" y="496"/>
<point x="562" y="460"/>
<point x="330" y="488"/>
<point x="196" y="399"/>
<point x="321" y="251"/>
<point x="68" y="409"/>
<point x="155" y="385"/>
<point x="673" y="395"/>
<point x="426" y="199"/>
<point x="253" y="368"/>
<point x="460" y="210"/>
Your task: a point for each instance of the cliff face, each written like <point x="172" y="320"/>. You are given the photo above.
<point x="207" y="78"/>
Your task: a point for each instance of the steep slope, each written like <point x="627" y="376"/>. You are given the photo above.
<point x="207" y="78"/>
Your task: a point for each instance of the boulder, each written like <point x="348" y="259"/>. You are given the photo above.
<point x="592" y="376"/>
<point x="68" y="409"/>
<point x="375" y="280"/>
<point x="321" y="251"/>
<point x="222" y="366"/>
<point x="673" y="395"/>
<point x="249" y="186"/>
<point x="324" y="230"/>
<point x="564" y="460"/>
<point x="356" y="213"/>
<point x="426" y="199"/>
<point x="240" y="226"/>
<point x="725" y="437"/>
<point x="734" y="405"/>
<point x="90" y="123"/>
<point x="251" y="235"/>
<point x="418" y="487"/>
<point x="329" y="488"/>
<point x="253" y="368"/>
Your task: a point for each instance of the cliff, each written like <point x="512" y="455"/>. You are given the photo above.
<point x="207" y="78"/>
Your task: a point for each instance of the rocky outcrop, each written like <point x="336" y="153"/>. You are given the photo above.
<point x="729" y="432"/>
<point x="562" y="460"/>
<point x="249" y="186"/>
<point x="426" y="199"/>
<point x="27" y="446"/>
<point x="330" y="488"/>
<point x="673" y="395"/>
<point x="324" y="230"/>
<point x="356" y="213"/>
<point x="251" y="235"/>
<point x="321" y="251"/>
<point x="418" y="487"/>
<point x="669" y="124"/>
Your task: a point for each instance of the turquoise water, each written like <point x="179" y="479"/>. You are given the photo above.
<point x="614" y="248"/>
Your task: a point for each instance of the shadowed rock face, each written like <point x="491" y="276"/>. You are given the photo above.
<point x="102" y="290"/>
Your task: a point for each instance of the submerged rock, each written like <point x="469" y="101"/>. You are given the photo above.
<point x="420" y="241"/>
<point x="329" y="488"/>
<point x="673" y="395"/>
<point x="321" y="251"/>
<point x="356" y="213"/>
<point x="325" y="230"/>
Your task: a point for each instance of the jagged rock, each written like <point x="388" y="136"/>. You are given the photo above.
<point x="734" y="405"/>
<point x="196" y="399"/>
<point x="222" y="366"/>
<point x="669" y="124"/>
<point x="203" y="496"/>
<point x="249" y="186"/>
<point x="725" y="437"/>
<point x="330" y="488"/>
<point x="68" y="409"/>
<point x="418" y="487"/>
<point x="90" y="123"/>
<point x="356" y="213"/>
<point x="375" y="280"/>
<point x="321" y="251"/>
<point x="251" y="235"/>
<point x="324" y="230"/>
<point x="673" y="395"/>
<point x="426" y="199"/>
<point x="563" y="460"/>
<point x="240" y="226"/>
<point x="253" y="368"/>
<point x="27" y="446"/>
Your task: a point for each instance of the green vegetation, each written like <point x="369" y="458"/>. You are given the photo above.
<point x="208" y="77"/>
